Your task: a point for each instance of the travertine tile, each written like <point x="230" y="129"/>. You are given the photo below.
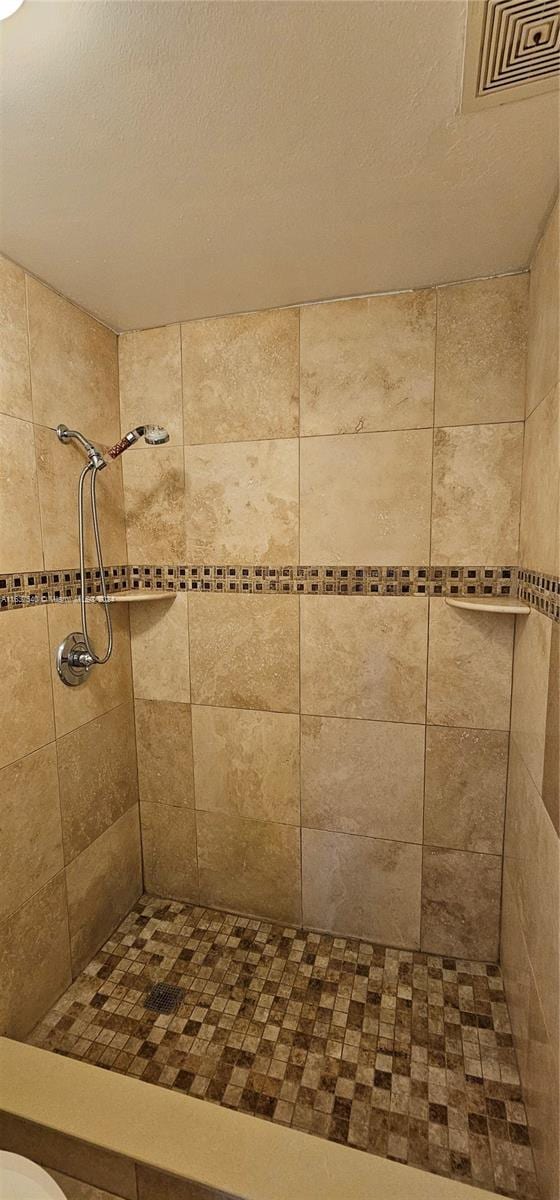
<point x="108" y="685"/>
<point x="20" y="526"/>
<point x="476" y="494"/>
<point x="34" y="959"/>
<point x="464" y="803"/>
<point x="159" y="639"/>
<point x="74" y="1189"/>
<point x="460" y="903"/>
<point x="551" y="766"/>
<point x="169" y="851"/>
<point x="242" y="502"/>
<point x="240" y="377"/>
<point x="249" y="866"/>
<point x="366" y="499"/>
<point x="542" y="1096"/>
<point x="368" y="364"/>
<point x="58" y="473"/>
<point x="521" y="838"/>
<point x="15" y="387"/>
<point x="30" y="827"/>
<point x="165" y="752"/>
<point x="247" y="763"/>
<point x="150" y="381"/>
<point x="362" y="887"/>
<point x="103" y="883"/>
<point x="154" y="487"/>
<point x="539" y="538"/>
<point x="363" y="777"/>
<point x="481" y="351"/>
<point x="25" y="727"/>
<point x="364" y="656"/>
<point x="98" y="776"/>
<point x="530" y="690"/>
<point x="92" y="1164"/>
<point x="74" y="371"/>
<point x="244" y="651"/>
<point x="516" y="967"/>
<point x="543" y="370"/>
<point x="469" y="670"/>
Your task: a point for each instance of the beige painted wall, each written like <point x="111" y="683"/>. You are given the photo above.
<point x="336" y="760"/>
<point x="531" y="898"/>
<point x="69" y="831"/>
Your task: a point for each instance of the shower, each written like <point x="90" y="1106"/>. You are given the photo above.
<point x="76" y="656"/>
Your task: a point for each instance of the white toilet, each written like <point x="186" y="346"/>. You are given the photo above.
<point x="21" y="1179"/>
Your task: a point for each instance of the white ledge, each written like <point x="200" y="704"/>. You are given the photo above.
<point x="494" y="604"/>
<point x="134" y="597"/>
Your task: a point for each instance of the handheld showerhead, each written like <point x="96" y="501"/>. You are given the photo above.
<point x="154" y="435"/>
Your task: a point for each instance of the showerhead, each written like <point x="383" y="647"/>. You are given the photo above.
<point x="154" y="435"/>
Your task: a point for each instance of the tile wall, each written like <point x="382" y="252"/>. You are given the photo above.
<point x="531" y="896"/>
<point x="335" y="759"/>
<point x="69" y="830"/>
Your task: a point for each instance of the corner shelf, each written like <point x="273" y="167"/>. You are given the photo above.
<point x="135" y="597"/>
<point x="494" y="604"/>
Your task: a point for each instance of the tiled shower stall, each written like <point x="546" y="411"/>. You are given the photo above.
<point x="300" y="730"/>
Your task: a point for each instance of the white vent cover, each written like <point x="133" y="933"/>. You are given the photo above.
<point x="512" y="51"/>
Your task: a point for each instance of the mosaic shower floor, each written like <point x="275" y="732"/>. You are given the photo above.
<point x="398" y="1053"/>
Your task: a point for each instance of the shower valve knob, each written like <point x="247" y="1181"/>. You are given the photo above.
<point x="73" y="660"/>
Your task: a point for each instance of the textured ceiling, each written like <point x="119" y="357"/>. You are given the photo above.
<point x="173" y="160"/>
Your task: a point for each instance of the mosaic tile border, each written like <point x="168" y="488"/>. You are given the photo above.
<point x="540" y="591"/>
<point x="51" y="587"/>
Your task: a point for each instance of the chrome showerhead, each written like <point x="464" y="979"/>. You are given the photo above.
<point x="154" y="435"/>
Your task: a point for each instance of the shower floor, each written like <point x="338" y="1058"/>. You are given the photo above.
<point x="401" y="1054"/>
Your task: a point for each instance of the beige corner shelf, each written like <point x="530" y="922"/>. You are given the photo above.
<point x="135" y="597"/>
<point x="494" y="604"/>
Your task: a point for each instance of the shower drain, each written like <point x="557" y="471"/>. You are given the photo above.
<point x="164" y="997"/>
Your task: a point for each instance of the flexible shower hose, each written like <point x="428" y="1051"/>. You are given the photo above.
<point x="96" y="658"/>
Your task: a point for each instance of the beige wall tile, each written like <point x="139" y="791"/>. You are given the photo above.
<point x="34" y="959"/>
<point x="157" y="1185"/>
<point x="240" y="377"/>
<point x="364" y="656"/>
<point x="362" y="887"/>
<point x="74" y="1189"/>
<point x="539" y="538"/>
<point x="159" y="636"/>
<point x="242" y="502"/>
<point x="520" y="841"/>
<point x="74" y="372"/>
<point x="30" y="831"/>
<point x="516" y="970"/>
<point x="465" y="794"/>
<point x="368" y="364"/>
<point x="469" y="669"/>
<point x="58" y="472"/>
<point x="15" y="388"/>
<point x="249" y="866"/>
<point x="20" y="525"/>
<point x="244" y="651"/>
<point x="24" y="654"/>
<point x="530" y="690"/>
<point x="165" y="752"/>
<point x="247" y="763"/>
<point x="150" y="381"/>
<point x="92" y="1164"/>
<point x="366" y="499"/>
<point x="481" y="351"/>
<point x="103" y="883"/>
<point x="362" y="777"/>
<point x="98" y="776"/>
<point x="476" y="494"/>
<point x="169" y="851"/>
<point x="154" y="487"/>
<point x="543" y="369"/>
<point x="107" y="686"/>
<point x="541" y="1094"/>
<point x="551" y="766"/>
<point x="461" y="903"/>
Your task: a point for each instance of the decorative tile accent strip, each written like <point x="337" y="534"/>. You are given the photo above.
<point x="540" y="591"/>
<point x="398" y="1053"/>
<point x="44" y="587"/>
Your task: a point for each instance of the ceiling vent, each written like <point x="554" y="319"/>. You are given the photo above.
<point x="512" y="51"/>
